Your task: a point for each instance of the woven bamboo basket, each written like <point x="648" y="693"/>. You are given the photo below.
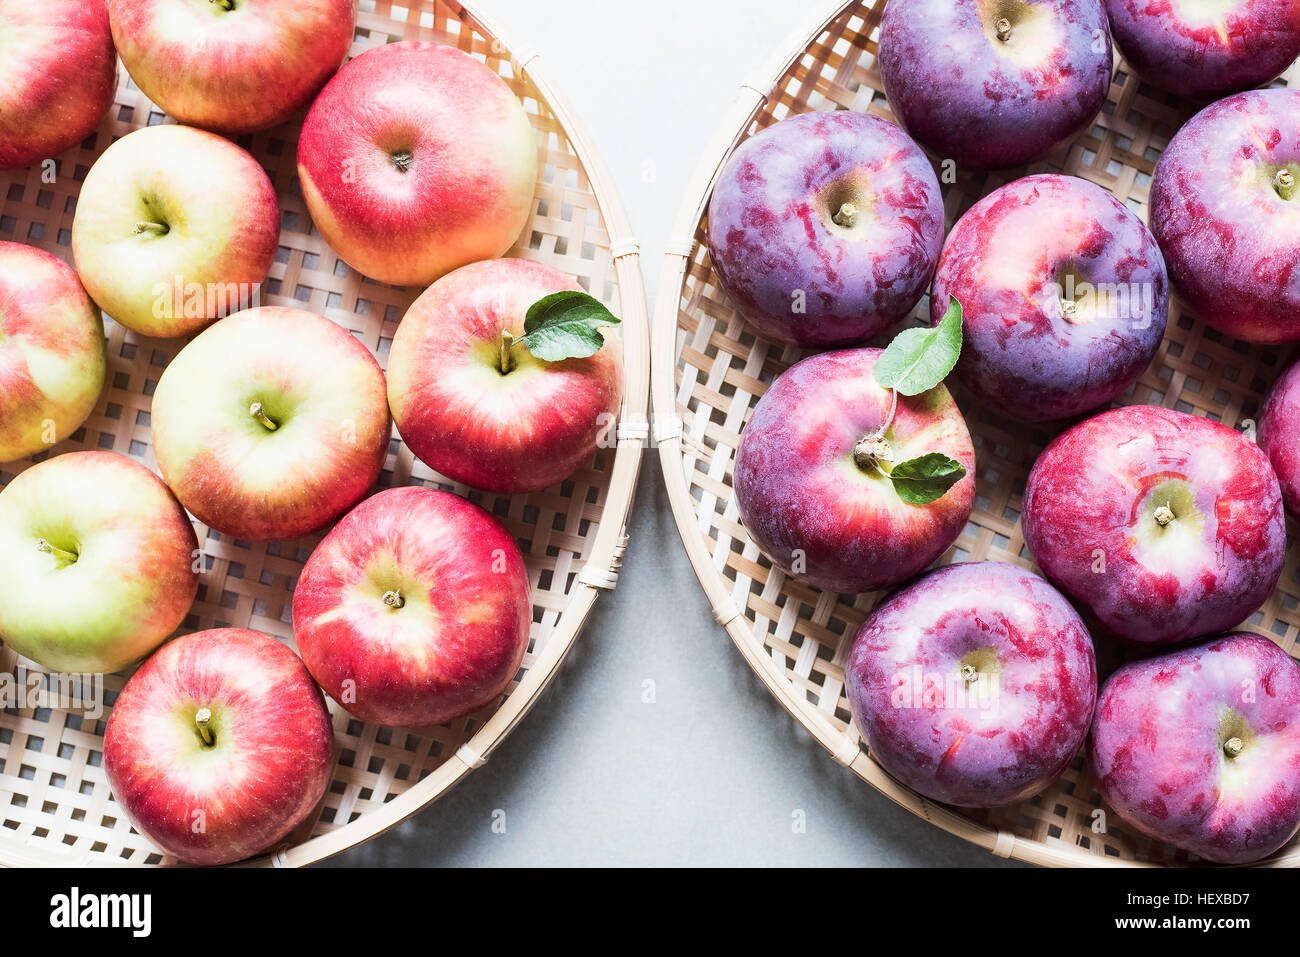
<point x="55" y="804"/>
<point x="710" y="369"/>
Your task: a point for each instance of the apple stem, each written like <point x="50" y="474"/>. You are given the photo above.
<point x="201" y="719"/>
<point x="394" y="599"/>
<point x="507" y="340"/>
<point x="873" y="448"/>
<point x="158" y="228"/>
<point x="1284" y="183"/>
<point x="1233" y="747"/>
<point x="1003" y="27"/>
<point x="59" y="553"/>
<point x="969" y="673"/>
<point x="1163" y="515"/>
<point x="256" y="411"/>
<point x="846" y="215"/>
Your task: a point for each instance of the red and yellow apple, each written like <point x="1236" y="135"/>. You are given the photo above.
<point x="174" y="228"/>
<point x="416" y="159"/>
<point x="219" y="746"/>
<point x="98" y="562"/>
<point x="58" y="74"/>
<point x="51" y="351"/>
<point x="414" y="610"/>
<point x="271" y="424"/>
<point x="518" y="430"/>
<point x="233" y="66"/>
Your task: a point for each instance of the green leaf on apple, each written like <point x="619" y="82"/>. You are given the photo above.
<point x="927" y="478"/>
<point x="566" y="325"/>
<point x="919" y="359"/>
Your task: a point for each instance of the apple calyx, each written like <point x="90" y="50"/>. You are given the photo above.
<point x="846" y="216"/>
<point x="872" y="452"/>
<point x="225" y="4"/>
<point x="1233" y="747"/>
<point x="64" y="556"/>
<point x="158" y="229"/>
<point x="403" y="159"/>
<point x="259" y="413"/>
<point x="1003" y="29"/>
<point x="507" y="361"/>
<point x="1163" y="515"/>
<point x="1284" y="183"/>
<point x="202" y="718"/>
<point x="969" y="673"/>
<point x="1070" y="311"/>
<point x="393" y="599"/>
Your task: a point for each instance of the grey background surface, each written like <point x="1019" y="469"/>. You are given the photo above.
<point x="713" y="772"/>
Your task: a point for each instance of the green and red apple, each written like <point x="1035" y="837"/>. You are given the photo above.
<point x="98" y="561"/>
<point x="416" y="159"/>
<point x="232" y="66"/>
<point x="52" y="357"/>
<point x="271" y="424"/>
<point x="175" y="227"/>
<point x="219" y="746"/>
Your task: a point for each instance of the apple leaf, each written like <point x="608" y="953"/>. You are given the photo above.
<point x="926" y="479"/>
<point x="566" y="325"/>
<point x="919" y="359"/>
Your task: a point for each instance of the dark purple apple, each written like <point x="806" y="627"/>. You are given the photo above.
<point x="974" y="685"/>
<point x="995" y="83"/>
<point x="1064" y="297"/>
<point x="1208" y="49"/>
<point x="820" y="509"/>
<point x="825" y="228"/>
<point x="1201" y="747"/>
<point x="1279" y="434"/>
<point x="1225" y="209"/>
<point x="1168" y="526"/>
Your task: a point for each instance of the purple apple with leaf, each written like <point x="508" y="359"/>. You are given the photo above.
<point x="1064" y="292"/>
<point x="974" y="685"/>
<point x="856" y="469"/>
<point x="1201" y="747"/>
<point x="824" y="228"/>
<point x="1225" y="209"/>
<point x="995" y="84"/>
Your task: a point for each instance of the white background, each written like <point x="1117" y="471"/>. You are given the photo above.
<point x="714" y="772"/>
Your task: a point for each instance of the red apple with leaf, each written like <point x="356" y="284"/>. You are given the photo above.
<point x="502" y="377"/>
<point x="856" y="470"/>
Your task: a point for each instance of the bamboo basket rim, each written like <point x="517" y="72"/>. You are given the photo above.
<point x="608" y="542"/>
<point x="753" y="95"/>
